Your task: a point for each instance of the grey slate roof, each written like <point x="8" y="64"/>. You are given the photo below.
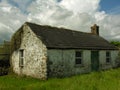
<point x="59" y="38"/>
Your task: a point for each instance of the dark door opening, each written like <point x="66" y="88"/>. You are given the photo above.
<point x="94" y="60"/>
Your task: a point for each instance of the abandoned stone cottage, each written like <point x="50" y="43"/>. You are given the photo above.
<point x="43" y="51"/>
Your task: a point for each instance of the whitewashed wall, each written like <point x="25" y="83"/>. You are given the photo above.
<point x="62" y="63"/>
<point x="102" y="59"/>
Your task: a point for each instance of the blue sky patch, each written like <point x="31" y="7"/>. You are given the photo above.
<point x="59" y="0"/>
<point x="20" y="6"/>
<point x="110" y="6"/>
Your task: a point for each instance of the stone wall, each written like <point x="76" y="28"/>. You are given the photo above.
<point x="34" y="62"/>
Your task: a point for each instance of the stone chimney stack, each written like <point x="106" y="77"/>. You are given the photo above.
<point x="95" y="29"/>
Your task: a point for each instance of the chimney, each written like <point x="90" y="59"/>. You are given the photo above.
<point x="95" y="29"/>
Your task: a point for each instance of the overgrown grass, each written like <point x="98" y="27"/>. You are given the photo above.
<point x="104" y="80"/>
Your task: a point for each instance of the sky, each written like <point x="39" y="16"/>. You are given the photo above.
<point x="77" y="15"/>
<point x="111" y="7"/>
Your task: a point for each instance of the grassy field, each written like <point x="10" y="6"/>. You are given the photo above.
<point x="104" y="80"/>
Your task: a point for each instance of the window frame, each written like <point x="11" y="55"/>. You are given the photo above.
<point x="108" y="57"/>
<point x="79" y="58"/>
<point x="21" y="57"/>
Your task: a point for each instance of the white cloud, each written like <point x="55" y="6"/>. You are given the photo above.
<point x="72" y="14"/>
<point x="99" y="16"/>
<point x="81" y="6"/>
<point x="6" y="9"/>
<point x="11" y="19"/>
<point x="53" y="13"/>
<point x="110" y="27"/>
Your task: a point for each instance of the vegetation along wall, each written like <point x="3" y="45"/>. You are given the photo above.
<point x="4" y="58"/>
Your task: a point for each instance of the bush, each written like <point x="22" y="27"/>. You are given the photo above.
<point x="4" y="67"/>
<point x="116" y="43"/>
<point x="3" y="71"/>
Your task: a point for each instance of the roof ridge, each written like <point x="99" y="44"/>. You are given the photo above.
<point x="59" y="28"/>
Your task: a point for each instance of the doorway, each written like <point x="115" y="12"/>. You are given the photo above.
<point x="94" y="60"/>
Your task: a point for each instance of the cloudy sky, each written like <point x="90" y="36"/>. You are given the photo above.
<point x="78" y="15"/>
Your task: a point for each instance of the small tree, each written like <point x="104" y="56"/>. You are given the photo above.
<point x="116" y="43"/>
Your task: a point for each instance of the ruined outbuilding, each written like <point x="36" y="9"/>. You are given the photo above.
<point x="44" y="51"/>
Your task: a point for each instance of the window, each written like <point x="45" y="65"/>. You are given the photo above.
<point x="21" y="58"/>
<point x="108" y="57"/>
<point x="78" y="57"/>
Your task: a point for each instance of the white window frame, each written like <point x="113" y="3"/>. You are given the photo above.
<point x="21" y="57"/>
<point x="79" y="57"/>
<point x="108" y="57"/>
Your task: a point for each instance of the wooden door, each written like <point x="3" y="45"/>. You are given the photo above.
<point x="94" y="60"/>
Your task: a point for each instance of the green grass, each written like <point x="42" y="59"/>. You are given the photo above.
<point x="104" y="80"/>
